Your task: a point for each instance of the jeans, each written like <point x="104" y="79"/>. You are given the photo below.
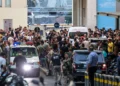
<point x="91" y="72"/>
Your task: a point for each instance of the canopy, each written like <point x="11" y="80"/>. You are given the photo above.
<point x="113" y="14"/>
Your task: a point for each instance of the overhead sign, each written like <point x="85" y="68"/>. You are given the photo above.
<point x="56" y="25"/>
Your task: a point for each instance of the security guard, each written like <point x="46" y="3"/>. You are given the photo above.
<point x="92" y="64"/>
<point x="66" y="68"/>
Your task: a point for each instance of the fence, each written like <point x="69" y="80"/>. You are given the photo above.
<point x="103" y="80"/>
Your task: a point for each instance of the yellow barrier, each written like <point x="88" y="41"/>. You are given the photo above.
<point x="103" y="80"/>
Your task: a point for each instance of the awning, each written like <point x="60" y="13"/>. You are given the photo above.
<point x="113" y="14"/>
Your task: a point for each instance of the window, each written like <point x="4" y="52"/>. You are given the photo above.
<point x="0" y="3"/>
<point x="26" y="51"/>
<point x="7" y="3"/>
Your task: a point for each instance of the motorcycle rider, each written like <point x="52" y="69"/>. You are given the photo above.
<point x="118" y="64"/>
<point x="19" y="60"/>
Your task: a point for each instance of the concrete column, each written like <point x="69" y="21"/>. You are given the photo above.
<point x="77" y="13"/>
<point x="74" y="12"/>
<point x="91" y="13"/>
<point x="81" y="16"/>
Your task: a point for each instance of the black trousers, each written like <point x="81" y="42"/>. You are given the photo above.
<point x="20" y="71"/>
<point x="91" y="72"/>
<point x="118" y="72"/>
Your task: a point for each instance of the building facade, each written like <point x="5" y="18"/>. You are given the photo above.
<point x="85" y="13"/>
<point x="13" y="13"/>
<point x="49" y="11"/>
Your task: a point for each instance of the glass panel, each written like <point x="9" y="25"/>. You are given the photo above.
<point x="27" y="52"/>
<point x="0" y="3"/>
<point x="84" y="55"/>
<point x="7" y="3"/>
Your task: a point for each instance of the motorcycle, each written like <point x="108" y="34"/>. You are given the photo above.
<point x="3" y="77"/>
<point x="112" y="69"/>
<point x="11" y="79"/>
<point x="14" y="80"/>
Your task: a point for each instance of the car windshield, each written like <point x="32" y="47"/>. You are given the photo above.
<point x="84" y="56"/>
<point x="96" y="41"/>
<point x="26" y="51"/>
<point x="72" y="34"/>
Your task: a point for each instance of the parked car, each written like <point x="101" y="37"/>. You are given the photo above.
<point x="80" y="64"/>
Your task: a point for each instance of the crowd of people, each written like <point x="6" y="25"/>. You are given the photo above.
<point x="57" y="48"/>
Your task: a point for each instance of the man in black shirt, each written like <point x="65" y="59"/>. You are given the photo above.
<point x="56" y="61"/>
<point x="19" y="61"/>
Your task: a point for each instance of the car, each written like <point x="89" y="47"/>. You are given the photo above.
<point x="80" y="64"/>
<point x="95" y="41"/>
<point x="32" y="66"/>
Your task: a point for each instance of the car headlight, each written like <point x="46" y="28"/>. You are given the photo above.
<point x="27" y="67"/>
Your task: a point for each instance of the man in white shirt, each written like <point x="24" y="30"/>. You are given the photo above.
<point x="2" y="62"/>
<point x="11" y="40"/>
<point x="86" y="43"/>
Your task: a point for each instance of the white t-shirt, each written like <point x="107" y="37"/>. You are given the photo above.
<point x="86" y="43"/>
<point x="2" y="62"/>
<point x="11" y="40"/>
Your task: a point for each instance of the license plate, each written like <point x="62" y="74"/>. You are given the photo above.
<point x="81" y="65"/>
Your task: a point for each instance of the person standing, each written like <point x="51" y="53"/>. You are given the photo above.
<point x="66" y="68"/>
<point x="19" y="60"/>
<point x="86" y="43"/>
<point x="92" y="65"/>
<point x="56" y="61"/>
<point x="2" y="63"/>
<point x="118" y="64"/>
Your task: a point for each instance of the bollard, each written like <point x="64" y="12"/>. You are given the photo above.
<point x="95" y="82"/>
<point x="86" y="79"/>
<point x="97" y="79"/>
<point x="110" y="80"/>
<point x="103" y="76"/>
<point x="105" y="80"/>
<point x="101" y="80"/>
<point x="117" y="81"/>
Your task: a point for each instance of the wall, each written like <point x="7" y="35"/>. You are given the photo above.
<point x="84" y="13"/>
<point x="105" y="21"/>
<point x="117" y="6"/>
<point x="17" y="12"/>
<point x="91" y="14"/>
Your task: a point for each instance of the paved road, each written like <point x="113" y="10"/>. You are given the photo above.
<point x="49" y="80"/>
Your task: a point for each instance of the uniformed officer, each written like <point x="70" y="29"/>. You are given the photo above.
<point x="66" y="68"/>
<point x="92" y="64"/>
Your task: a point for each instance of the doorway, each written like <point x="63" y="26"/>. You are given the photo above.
<point x="7" y="24"/>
